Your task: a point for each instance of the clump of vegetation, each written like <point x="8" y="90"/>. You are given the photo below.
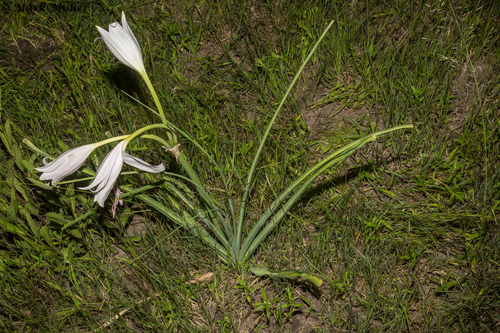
<point x="404" y="237"/>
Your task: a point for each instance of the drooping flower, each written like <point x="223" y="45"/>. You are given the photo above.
<point x="67" y="163"/>
<point x="123" y="44"/>
<point x="110" y="168"/>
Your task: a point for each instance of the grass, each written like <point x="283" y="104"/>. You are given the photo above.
<point x="404" y="235"/>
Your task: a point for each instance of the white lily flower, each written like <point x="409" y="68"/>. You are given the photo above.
<point x="110" y="168"/>
<point x="67" y="163"/>
<point x="122" y="42"/>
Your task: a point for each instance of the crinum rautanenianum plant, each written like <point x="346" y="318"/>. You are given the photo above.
<point x="191" y="204"/>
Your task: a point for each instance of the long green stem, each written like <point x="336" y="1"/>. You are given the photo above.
<point x="144" y="129"/>
<point x="248" y="184"/>
<point x="171" y="136"/>
<point x="116" y="138"/>
<point x="145" y="76"/>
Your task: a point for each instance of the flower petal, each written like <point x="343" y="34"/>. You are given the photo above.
<point x="122" y="43"/>
<point x="142" y="165"/>
<point x="67" y="163"/>
<point x="107" y="174"/>
<point x="127" y="29"/>
<point x="109" y="171"/>
<point x="112" y="163"/>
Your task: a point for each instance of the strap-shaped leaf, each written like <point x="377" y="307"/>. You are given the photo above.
<point x="293" y="192"/>
<point x="188" y="222"/>
<point x="249" y="181"/>
<point x="213" y="225"/>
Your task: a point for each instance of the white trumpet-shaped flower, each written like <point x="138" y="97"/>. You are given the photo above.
<point x="67" y="163"/>
<point x="110" y="168"/>
<point x="122" y="42"/>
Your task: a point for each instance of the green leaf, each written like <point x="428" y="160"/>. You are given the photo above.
<point x="33" y="147"/>
<point x="286" y="274"/>
<point x="11" y="228"/>
<point x="31" y="222"/>
<point x="13" y="207"/>
<point x="134" y="238"/>
<point x="47" y="235"/>
<point x="387" y="192"/>
<point x="67" y="253"/>
<point x="446" y="287"/>
<point x="40" y="184"/>
<point x="57" y="218"/>
<point x="279" y="208"/>
<point x="6" y="136"/>
<point x="184" y="219"/>
<point x="8" y="132"/>
<point x="76" y="233"/>
<point x="249" y="181"/>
